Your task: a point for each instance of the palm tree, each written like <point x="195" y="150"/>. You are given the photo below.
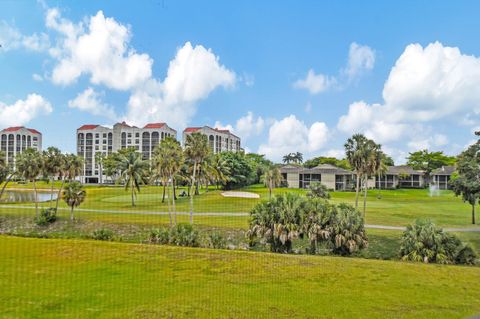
<point x="132" y="172"/>
<point x="272" y="178"/>
<point x="196" y="150"/>
<point x="73" y="195"/>
<point x="298" y="157"/>
<point x="219" y="170"/>
<point x="29" y="165"/>
<point x="167" y="162"/>
<point x="287" y="159"/>
<point x="71" y="167"/>
<point x="52" y="166"/>
<point x="99" y="159"/>
<point x="356" y="152"/>
<point x="373" y="166"/>
<point x="5" y="173"/>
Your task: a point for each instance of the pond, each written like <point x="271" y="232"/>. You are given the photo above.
<point x="25" y="196"/>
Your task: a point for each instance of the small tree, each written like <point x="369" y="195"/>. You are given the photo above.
<point x="73" y="195"/>
<point x="133" y="172"/>
<point x="29" y="165"/>
<point x="272" y="178"/>
<point x="467" y="184"/>
<point x="318" y="190"/>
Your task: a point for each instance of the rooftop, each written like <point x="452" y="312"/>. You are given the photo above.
<point x="444" y="170"/>
<point x="17" y="128"/>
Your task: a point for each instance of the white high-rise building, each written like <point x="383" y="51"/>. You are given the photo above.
<point x="218" y="140"/>
<point x="93" y="139"/>
<point x="14" y="140"/>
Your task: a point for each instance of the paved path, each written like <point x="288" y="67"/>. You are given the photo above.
<point x="213" y="214"/>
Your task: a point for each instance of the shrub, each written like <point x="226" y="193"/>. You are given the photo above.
<point x="318" y="190"/>
<point x="424" y="242"/>
<point x="47" y="216"/>
<point x="347" y="231"/>
<point x="102" y="234"/>
<point x="215" y="240"/>
<point x="179" y="235"/>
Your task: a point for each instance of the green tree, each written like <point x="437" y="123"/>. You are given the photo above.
<point x="29" y="165"/>
<point x="467" y="182"/>
<point x="219" y="170"/>
<point x="272" y="179"/>
<point x="196" y="151"/>
<point x="73" y="195"/>
<point x="318" y="190"/>
<point x="5" y="173"/>
<point x="343" y="163"/>
<point x="259" y="164"/>
<point x="241" y="170"/>
<point x="428" y="161"/>
<point x="132" y="172"/>
<point x="100" y="160"/>
<point x="375" y="166"/>
<point x="71" y="166"/>
<point x="53" y="160"/>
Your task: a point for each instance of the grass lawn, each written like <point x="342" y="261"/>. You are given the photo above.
<point x="87" y="279"/>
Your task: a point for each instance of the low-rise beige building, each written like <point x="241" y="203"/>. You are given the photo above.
<point x="441" y="177"/>
<point x="331" y="176"/>
<point x="402" y="176"/>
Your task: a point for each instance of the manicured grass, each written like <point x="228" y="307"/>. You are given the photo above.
<point x="87" y="279"/>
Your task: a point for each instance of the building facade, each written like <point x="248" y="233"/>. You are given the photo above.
<point x="14" y="140"/>
<point x="94" y="139"/>
<point x="400" y="177"/>
<point x="441" y="177"/>
<point x="218" y="140"/>
<point x="332" y="177"/>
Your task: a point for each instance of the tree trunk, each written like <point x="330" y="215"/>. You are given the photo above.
<point x="197" y="191"/>
<point x="5" y="185"/>
<point x="59" y="193"/>
<point x="357" y="190"/>
<point x="51" y="192"/>
<point x="174" y="188"/>
<point x="133" y="195"/>
<point x="191" y="191"/>
<point x="101" y="174"/>
<point x="173" y="202"/>
<point x="163" y="196"/>
<point x="365" y="195"/>
<point x="71" y="214"/>
<point x="473" y="214"/>
<point x="36" y="199"/>
<point x="168" y="207"/>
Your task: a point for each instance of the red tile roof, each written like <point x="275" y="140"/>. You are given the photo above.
<point x="191" y="129"/>
<point x="16" y="128"/>
<point x="88" y="127"/>
<point x="154" y="125"/>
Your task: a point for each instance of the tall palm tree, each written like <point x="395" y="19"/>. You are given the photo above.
<point x="287" y="159"/>
<point x="219" y="170"/>
<point x="73" y="195"/>
<point x="5" y="172"/>
<point x="272" y="178"/>
<point x="99" y="160"/>
<point x="52" y="165"/>
<point x="29" y="165"/>
<point x="71" y="167"/>
<point x="357" y="155"/>
<point x="298" y="157"/>
<point x="196" y="150"/>
<point x="373" y="165"/>
<point x="132" y="172"/>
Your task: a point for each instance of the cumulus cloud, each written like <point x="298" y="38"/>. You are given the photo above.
<point x="246" y="126"/>
<point x="98" y="48"/>
<point x="315" y="83"/>
<point x="192" y="75"/>
<point x="426" y="84"/>
<point x="360" y="58"/>
<point x="23" y="111"/>
<point x="292" y="135"/>
<point x="91" y="101"/>
<point x="11" y="38"/>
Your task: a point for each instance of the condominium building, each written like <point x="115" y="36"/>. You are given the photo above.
<point x="93" y="139"/>
<point x="218" y="140"/>
<point x="14" y="140"/>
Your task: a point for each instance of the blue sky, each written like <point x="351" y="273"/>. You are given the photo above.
<point x="286" y="76"/>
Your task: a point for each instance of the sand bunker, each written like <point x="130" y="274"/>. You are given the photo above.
<point x="240" y="194"/>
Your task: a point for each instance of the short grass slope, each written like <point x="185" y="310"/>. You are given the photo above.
<point x="85" y="279"/>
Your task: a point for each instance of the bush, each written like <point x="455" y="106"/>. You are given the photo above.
<point x="179" y="235"/>
<point x="347" y="231"/>
<point x="102" y="234"/>
<point x="47" y="216"/>
<point x="318" y="190"/>
<point x="215" y="240"/>
<point x="424" y="242"/>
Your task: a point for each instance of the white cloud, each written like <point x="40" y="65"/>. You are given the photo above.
<point x="426" y="84"/>
<point x="23" y="111"/>
<point x="37" y="77"/>
<point x="315" y="83"/>
<point x="192" y="75"/>
<point x="292" y="135"/>
<point x="11" y="39"/>
<point x="360" y="58"/>
<point x="90" y="101"/>
<point x="245" y="126"/>
<point x="98" y="48"/>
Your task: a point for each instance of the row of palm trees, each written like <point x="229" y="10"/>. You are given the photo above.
<point x="31" y="164"/>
